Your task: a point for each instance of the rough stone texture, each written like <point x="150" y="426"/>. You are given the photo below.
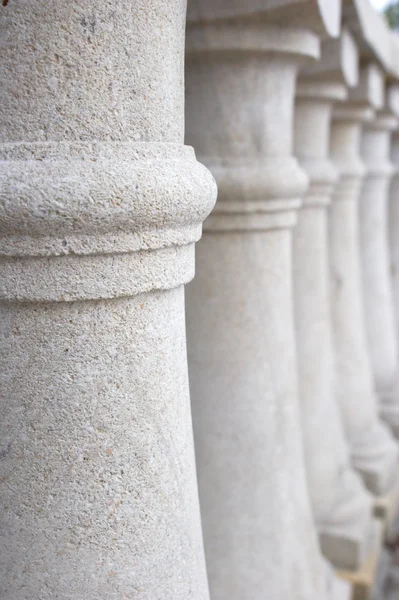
<point x="373" y="451"/>
<point x="100" y="205"/>
<point x="341" y="506"/>
<point x="98" y="494"/>
<point x="377" y="290"/>
<point x="240" y="84"/>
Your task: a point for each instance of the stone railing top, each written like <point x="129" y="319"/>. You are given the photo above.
<point x="251" y="36"/>
<point x="370" y="30"/>
<point x="339" y="61"/>
<point x="321" y="16"/>
<point x="326" y="91"/>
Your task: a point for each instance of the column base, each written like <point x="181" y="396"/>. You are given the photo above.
<point x="346" y="538"/>
<point x="363" y="580"/>
<point x="375" y="456"/>
<point x="389" y="408"/>
<point x="336" y="587"/>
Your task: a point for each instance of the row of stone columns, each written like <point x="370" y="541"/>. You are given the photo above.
<point x="292" y="347"/>
<point x="341" y="507"/>
<point x="240" y="74"/>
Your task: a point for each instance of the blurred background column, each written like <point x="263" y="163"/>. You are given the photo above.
<point x="240" y="86"/>
<point x="101" y="204"/>
<point x="374" y="243"/>
<point x="373" y="451"/>
<point x="393" y="226"/>
<point x="341" y="506"/>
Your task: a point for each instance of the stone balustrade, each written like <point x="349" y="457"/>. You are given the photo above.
<point x="258" y="458"/>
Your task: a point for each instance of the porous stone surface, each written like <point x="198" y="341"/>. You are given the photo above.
<point x="100" y="207"/>
<point x="373" y="451"/>
<point x="255" y="508"/>
<point x="99" y="494"/>
<point x="341" y="506"/>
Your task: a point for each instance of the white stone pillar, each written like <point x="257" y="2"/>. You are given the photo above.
<point x="258" y="530"/>
<point x="341" y="506"/>
<point x="373" y="451"/>
<point x="100" y="206"/>
<point x="377" y="285"/>
<point x="393" y="223"/>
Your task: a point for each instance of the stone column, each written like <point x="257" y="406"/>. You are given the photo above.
<point x="393" y="224"/>
<point x="341" y="506"/>
<point x="258" y="530"/>
<point x="377" y="289"/>
<point x="100" y="206"/>
<point x="373" y="451"/>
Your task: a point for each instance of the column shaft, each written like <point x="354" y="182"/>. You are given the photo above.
<point x="377" y="290"/>
<point x="341" y="506"/>
<point x="373" y="452"/>
<point x="240" y="87"/>
<point x="99" y="496"/>
<point x="393" y="227"/>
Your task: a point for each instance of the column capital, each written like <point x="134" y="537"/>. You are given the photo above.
<point x="370" y="91"/>
<point x="322" y="16"/>
<point x="320" y="86"/>
<point x="348" y="117"/>
<point x="252" y="37"/>
<point x="339" y="62"/>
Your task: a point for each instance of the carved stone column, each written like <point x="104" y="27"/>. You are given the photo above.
<point x="393" y="220"/>
<point x="373" y="451"/>
<point x="340" y="504"/>
<point x="100" y="206"/>
<point x="377" y="285"/>
<point x="240" y="86"/>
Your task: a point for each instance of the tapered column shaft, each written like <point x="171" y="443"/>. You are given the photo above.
<point x="377" y="290"/>
<point x="373" y="451"/>
<point x="393" y="227"/>
<point x="240" y="85"/>
<point x="100" y="206"/>
<point x="341" y="506"/>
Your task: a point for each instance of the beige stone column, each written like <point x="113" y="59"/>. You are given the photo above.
<point x="377" y="285"/>
<point x="341" y="506"/>
<point x="258" y="530"/>
<point x="373" y="451"/>
<point x="100" y="206"/>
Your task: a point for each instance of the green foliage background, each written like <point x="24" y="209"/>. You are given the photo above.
<point x="392" y="15"/>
